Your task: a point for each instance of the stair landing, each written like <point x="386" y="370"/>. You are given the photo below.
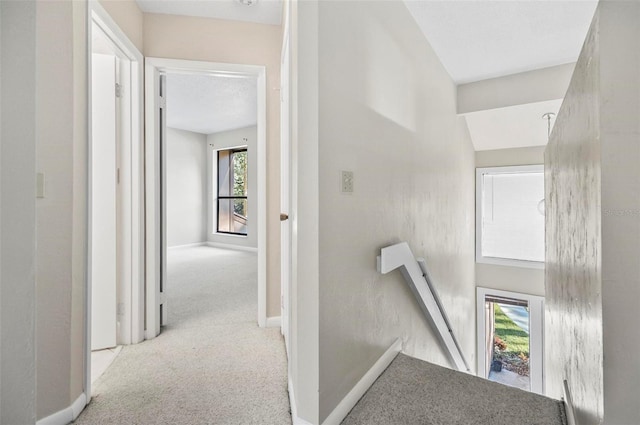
<point x="412" y="391"/>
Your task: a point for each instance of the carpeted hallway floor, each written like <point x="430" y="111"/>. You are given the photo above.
<point x="211" y="364"/>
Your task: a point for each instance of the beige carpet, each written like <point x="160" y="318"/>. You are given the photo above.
<point x="412" y="391"/>
<point x="211" y="364"/>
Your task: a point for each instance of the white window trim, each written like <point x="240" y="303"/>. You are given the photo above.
<point x="496" y="260"/>
<point x="536" y="334"/>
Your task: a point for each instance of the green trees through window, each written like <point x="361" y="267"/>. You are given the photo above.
<point x="232" y="191"/>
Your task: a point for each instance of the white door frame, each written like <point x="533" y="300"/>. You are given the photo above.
<point x="285" y="187"/>
<point x="131" y="182"/>
<point x="153" y="68"/>
<point x="536" y="334"/>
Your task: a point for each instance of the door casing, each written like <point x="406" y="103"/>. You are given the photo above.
<point x="131" y="256"/>
<point x="536" y="334"/>
<point x="285" y="192"/>
<point x="154" y="67"/>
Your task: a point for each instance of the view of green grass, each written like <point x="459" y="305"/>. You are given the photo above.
<point x="516" y="339"/>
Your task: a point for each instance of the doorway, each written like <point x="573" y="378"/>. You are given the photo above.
<point x="510" y="339"/>
<point x="158" y="313"/>
<point x="113" y="304"/>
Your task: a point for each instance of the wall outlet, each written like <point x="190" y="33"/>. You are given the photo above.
<point x="347" y="182"/>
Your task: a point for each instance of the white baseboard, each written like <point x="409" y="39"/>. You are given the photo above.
<point x="189" y="245"/>
<point x="67" y="415"/>
<point x="295" y="420"/>
<point x="230" y="246"/>
<point x="273" y="322"/>
<point x="351" y="399"/>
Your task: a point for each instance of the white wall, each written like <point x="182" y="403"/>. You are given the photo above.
<point x="620" y="138"/>
<point x="61" y="215"/>
<point x="593" y="231"/>
<point x="508" y="278"/>
<point x="129" y="17"/>
<point x="187" y="204"/>
<point x="304" y="343"/>
<point x="224" y="140"/>
<point x="387" y="112"/>
<point x="1" y="196"/>
<point x="17" y="222"/>
<point x="516" y="89"/>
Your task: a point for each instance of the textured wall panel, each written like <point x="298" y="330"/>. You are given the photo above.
<point x="593" y="230"/>
<point x="573" y="281"/>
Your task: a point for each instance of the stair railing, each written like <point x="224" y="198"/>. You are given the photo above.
<point x="417" y="277"/>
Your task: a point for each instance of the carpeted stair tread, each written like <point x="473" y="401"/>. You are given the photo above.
<point x="412" y="391"/>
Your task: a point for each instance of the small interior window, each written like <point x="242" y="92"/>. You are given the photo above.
<point x="510" y="215"/>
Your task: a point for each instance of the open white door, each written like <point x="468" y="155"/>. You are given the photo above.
<point x="156" y="311"/>
<point x="285" y="194"/>
<point x="104" y="201"/>
<point x="162" y="138"/>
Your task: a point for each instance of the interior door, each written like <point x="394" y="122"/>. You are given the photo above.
<point x="285" y="194"/>
<point x="155" y="188"/>
<point x="103" y="202"/>
<point x="162" y="136"/>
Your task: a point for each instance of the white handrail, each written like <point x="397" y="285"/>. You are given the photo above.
<point x="415" y="273"/>
<point x="568" y="404"/>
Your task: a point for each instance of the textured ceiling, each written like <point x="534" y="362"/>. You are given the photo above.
<point x="210" y="104"/>
<point x="480" y="39"/>
<point x="262" y="12"/>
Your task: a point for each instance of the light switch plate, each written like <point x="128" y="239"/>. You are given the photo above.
<point x="347" y="182"/>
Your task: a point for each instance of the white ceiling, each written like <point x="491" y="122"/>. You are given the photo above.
<point x="474" y="39"/>
<point x="262" y="12"/>
<point x="210" y="104"/>
<point x="480" y="39"/>
<point x="511" y="127"/>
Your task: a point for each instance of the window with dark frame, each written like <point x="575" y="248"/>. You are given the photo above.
<point x="232" y="191"/>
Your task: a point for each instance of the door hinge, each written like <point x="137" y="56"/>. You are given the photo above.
<point x="118" y="176"/>
<point x="118" y="90"/>
<point x="162" y="102"/>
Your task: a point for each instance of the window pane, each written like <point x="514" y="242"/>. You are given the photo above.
<point x="232" y="186"/>
<point x="512" y="223"/>
<point x="232" y="216"/>
<point x="240" y="173"/>
<point x="509" y="349"/>
<point x="224" y="176"/>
